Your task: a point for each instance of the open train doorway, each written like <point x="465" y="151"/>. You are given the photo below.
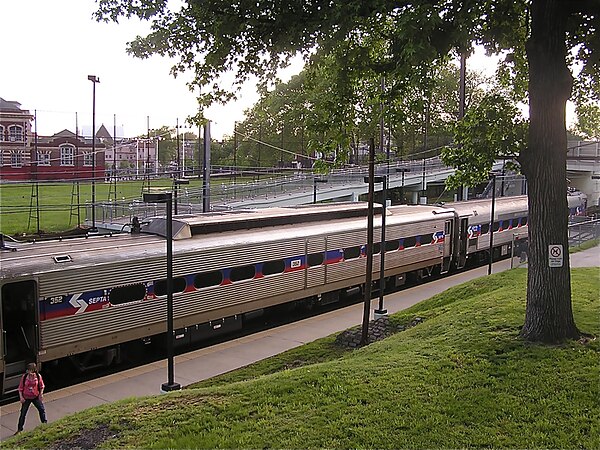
<point x="19" y="337"/>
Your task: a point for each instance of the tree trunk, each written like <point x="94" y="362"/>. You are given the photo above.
<point x="549" y="315"/>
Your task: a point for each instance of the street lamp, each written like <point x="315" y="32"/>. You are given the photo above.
<point x="493" y="175"/>
<point x="369" y="275"/>
<point x="176" y="183"/>
<point x="380" y="311"/>
<point x="94" y="79"/>
<point x="166" y="197"/>
<point x="315" y="181"/>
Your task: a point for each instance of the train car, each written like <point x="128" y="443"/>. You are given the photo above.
<point x="473" y="226"/>
<point x="577" y="203"/>
<point x="472" y="232"/>
<point x="90" y="299"/>
<point x="93" y="300"/>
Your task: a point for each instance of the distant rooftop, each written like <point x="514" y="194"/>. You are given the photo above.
<point x="6" y="105"/>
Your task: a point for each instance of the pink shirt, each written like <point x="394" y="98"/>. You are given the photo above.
<point x="30" y="387"/>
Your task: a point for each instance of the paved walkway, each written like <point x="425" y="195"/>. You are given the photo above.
<point x="208" y="362"/>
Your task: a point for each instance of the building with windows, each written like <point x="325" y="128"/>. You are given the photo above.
<point x="25" y="156"/>
<point x="15" y="133"/>
<point x="66" y="156"/>
<point x="132" y="156"/>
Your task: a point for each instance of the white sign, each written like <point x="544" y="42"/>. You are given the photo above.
<point x="555" y="255"/>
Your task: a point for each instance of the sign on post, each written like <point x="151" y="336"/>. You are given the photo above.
<point x="555" y="255"/>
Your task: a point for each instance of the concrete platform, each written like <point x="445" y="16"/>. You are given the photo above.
<point x="208" y="362"/>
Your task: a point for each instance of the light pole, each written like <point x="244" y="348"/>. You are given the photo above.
<point x="364" y="340"/>
<point x="493" y="175"/>
<point x="315" y="181"/>
<point x="167" y="197"/>
<point x="178" y="160"/>
<point x="424" y="182"/>
<point x="235" y="144"/>
<point x="380" y="311"/>
<point x="176" y="183"/>
<point x="206" y="169"/>
<point x="94" y="79"/>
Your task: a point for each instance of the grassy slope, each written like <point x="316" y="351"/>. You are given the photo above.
<point x="460" y="379"/>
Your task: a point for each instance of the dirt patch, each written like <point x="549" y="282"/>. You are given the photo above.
<point x="86" y="440"/>
<point x="295" y="364"/>
<point x="378" y="329"/>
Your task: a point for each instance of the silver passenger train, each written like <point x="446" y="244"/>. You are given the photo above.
<point x="93" y="299"/>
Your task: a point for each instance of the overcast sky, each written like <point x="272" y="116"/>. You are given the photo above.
<point x="49" y="47"/>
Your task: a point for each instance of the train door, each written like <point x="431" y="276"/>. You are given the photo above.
<point x="447" y="255"/>
<point x="463" y="239"/>
<point x="19" y="330"/>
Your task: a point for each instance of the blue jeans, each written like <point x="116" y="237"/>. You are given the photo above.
<point x="25" y="407"/>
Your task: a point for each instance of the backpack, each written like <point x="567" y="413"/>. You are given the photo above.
<point x="37" y="374"/>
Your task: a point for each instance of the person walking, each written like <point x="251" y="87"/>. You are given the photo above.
<point x="31" y="390"/>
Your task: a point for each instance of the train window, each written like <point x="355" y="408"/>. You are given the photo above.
<point x="315" y="259"/>
<point x="426" y="239"/>
<point x="242" y="273"/>
<point x="496" y="226"/>
<point x="376" y="248"/>
<point x="392" y="245"/>
<point x="273" y="267"/>
<point x="207" y="279"/>
<point x="485" y="228"/>
<point x="351" y="252"/>
<point x="127" y="294"/>
<point x="523" y="221"/>
<point x="160" y="286"/>
<point x="447" y="228"/>
<point x="410" y="242"/>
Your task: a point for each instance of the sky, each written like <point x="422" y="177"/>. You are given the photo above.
<point x="52" y="47"/>
<point x="49" y="47"/>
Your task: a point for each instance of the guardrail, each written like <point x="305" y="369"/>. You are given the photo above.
<point x="580" y="232"/>
<point x="189" y="200"/>
<point x="585" y="231"/>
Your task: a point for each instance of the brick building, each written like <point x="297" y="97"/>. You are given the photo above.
<point x="25" y="156"/>
<point x="15" y="139"/>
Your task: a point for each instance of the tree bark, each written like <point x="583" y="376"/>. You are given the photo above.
<point x="549" y="314"/>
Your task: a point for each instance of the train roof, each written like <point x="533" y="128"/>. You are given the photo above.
<point x="506" y="204"/>
<point x="39" y="257"/>
<point x="186" y="226"/>
<point x="483" y="206"/>
<point x="417" y="212"/>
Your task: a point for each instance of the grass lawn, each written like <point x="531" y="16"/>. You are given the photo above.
<point x="460" y="379"/>
<point x="58" y="202"/>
